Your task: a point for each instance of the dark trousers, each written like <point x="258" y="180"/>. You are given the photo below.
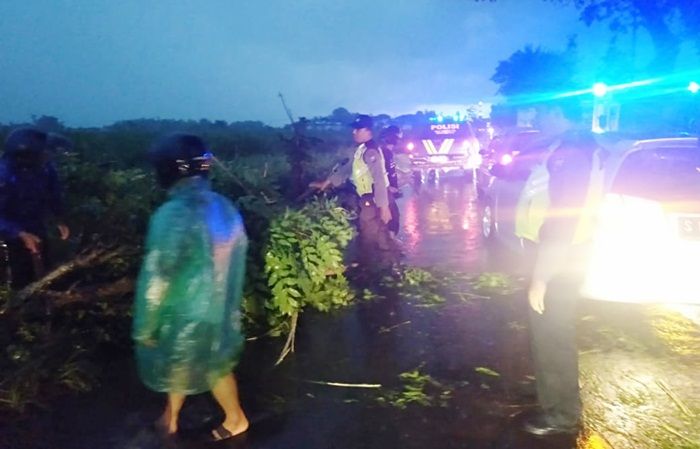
<point x="393" y="225"/>
<point x="25" y="267"/>
<point x="554" y="353"/>
<point x="378" y="251"/>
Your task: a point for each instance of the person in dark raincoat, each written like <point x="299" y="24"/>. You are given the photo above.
<point x="187" y="318"/>
<point x="30" y="194"/>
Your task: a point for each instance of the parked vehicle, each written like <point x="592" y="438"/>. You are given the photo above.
<point x="646" y="244"/>
<point x="443" y="145"/>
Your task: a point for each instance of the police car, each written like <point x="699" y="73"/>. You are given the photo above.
<point x="441" y="145"/>
<point x="646" y="238"/>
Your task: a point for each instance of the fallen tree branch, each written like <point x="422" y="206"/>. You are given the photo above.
<point x="677" y="433"/>
<point x="683" y="408"/>
<point x="342" y="384"/>
<point x="289" y="344"/>
<point x="93" y="257"/>
<point x="390" y="328"/>
<point x="120" y="287"/>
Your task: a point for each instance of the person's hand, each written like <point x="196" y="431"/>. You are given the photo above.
<point x="31" y="241"/>
<point x="319" y="185"/>
<point x="64" y="231"/>
<point x="385" y="214"/>
<point x="535" y="295"/>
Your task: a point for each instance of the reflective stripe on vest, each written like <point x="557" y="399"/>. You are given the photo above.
<point x="533" y="204"/>
<point x="534" y="201"/>
<point x="361" y="176"/>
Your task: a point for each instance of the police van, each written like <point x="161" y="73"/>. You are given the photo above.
<point x="441" y="145"/>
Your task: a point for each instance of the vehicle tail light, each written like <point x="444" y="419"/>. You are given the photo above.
<point x="506" y="159"/>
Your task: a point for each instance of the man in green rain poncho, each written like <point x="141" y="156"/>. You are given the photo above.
<point x="187" y="319"/>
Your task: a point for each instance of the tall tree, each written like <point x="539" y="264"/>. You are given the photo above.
<point x="534" y="70"/>
<point x="668" y="23"/>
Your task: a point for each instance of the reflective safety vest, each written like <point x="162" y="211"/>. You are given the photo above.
<point x="533" y="204"/>
<point x="361" y="176"/>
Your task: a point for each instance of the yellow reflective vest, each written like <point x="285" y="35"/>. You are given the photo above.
<point x="533" y="204"/>
<point x="361" y="176"/>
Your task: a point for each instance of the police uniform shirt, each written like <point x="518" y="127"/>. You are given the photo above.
<point x="375" y="164"/>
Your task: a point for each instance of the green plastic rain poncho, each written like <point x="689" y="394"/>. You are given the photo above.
<point x="187" y="319"/>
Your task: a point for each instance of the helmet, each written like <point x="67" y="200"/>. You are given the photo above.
<point x="24" y="148"/>
<point x="179" y="156"/>
<point x="56" y="143"/>
<point x="391" y="134"/>
<point x="25" y="140"/>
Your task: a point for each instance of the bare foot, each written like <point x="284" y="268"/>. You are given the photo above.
<point x="165" y="426"/>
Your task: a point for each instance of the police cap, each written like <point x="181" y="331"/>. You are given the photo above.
<point x="362" y="121"/>
<point x="391" y="134"/>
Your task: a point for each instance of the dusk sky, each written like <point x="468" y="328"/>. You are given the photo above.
<point x="93" y="62"/>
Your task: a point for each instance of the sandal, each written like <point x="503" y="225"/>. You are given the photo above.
<point x="222" y="433"/>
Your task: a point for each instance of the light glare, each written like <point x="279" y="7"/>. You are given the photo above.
<point x="600" y="89"/>
<point x="506" y="159"/>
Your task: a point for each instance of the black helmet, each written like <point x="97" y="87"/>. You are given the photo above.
<point x="56" y="143"/>
<point x="179" y="156"/>
<point x="25" y="148"/>
<point x="25" y="140"/>
<point x="391" y="134"/>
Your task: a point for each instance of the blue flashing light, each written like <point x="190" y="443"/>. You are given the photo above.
<point x="600" y="89"/>
<point x="440" y="118"/>
<point x="693" y="87"/>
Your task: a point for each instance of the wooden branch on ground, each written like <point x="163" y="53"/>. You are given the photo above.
<point x="289" y="344"/>
<point x="343" y="384"/>
<point x="681" y="406"/>
<point x="93" y="257"/>
<point x="120" y="287"/>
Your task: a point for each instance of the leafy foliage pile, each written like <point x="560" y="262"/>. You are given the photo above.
<point x="304" y="260"/>
<point x="417" y="389"/>
<point x="495" y="283"/>
<point x="419" y="287"/>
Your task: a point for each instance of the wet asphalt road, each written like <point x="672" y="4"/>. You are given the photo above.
<point x="639" y="367"/>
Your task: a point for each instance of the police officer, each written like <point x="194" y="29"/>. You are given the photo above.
<point x="29" y="194"/>
<point x="378" y="252"/>
<point x="389" y="137"/>
<point x="566" y="189"/>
